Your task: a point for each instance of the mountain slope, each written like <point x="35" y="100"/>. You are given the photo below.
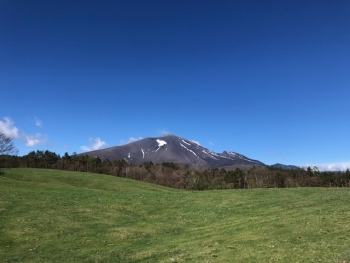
<point x="171" y="148"/>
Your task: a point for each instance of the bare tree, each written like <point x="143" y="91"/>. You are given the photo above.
<point x="6" y="145"/>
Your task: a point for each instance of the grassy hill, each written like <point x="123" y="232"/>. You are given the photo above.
<point x="60" y="216"/>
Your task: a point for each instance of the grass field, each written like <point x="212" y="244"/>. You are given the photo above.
<point x="59" y="216"/>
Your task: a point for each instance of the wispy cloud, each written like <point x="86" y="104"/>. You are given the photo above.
<point x="211" y="143"/>
<point x="330" y="166"/>
<point x="8" y="128"/>
<point x="38" y="122"/>
<point x="94" y="144"/>
<point x="35" y="139"/>
<point x="131" y="139"/>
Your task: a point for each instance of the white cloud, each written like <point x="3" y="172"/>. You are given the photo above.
<point x="331" y="166"/>
<point x="8" y="128"/>
<point x="131" y="139"/>
<point x="38" y="122"/>
<point x="211" y="143"/>
<point x="85" y="148"/>
<point x="32" y="140"/>
<point x="94" y="144"/>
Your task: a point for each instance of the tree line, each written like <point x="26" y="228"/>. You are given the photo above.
<point x="182" y="177"/>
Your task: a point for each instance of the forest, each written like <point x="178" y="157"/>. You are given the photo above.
<point x="181" y="177"/>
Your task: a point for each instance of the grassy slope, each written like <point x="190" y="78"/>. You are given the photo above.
<point x="58" y="216"/>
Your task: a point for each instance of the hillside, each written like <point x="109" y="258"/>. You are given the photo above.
<point x="59" y="216"/>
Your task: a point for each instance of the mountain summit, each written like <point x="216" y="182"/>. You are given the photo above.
<point x="171" y="148"/>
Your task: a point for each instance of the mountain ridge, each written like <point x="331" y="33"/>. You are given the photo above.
<point x="172" y="148"/>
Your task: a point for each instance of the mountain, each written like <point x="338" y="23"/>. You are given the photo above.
<point x="284" y="166"/>
<point x="171" y="148"/>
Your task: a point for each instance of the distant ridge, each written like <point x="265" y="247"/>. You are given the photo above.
<point x="283" y="166"/>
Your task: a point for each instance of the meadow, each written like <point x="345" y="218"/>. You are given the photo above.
<point x="60" y="216"/>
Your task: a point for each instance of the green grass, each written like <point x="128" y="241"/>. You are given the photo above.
<point x="59" y="216"/>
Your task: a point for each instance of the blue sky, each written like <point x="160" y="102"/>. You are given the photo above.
<point x="267" y="79"/>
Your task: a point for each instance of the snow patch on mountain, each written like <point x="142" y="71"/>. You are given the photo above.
<point x="210" y="155"/>
<point x="143" y="153"/>
<point x="161" y="143"/>
<point x="236" y="155"/>
<point x="196" y="142"/>
<point x="188" y="149"/>
<point x="233" y="154"/>
<point x="186" y="142"/>
<point x="215" y="154"/>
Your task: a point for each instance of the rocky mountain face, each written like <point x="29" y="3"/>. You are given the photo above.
<point x="171" y="148"/>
